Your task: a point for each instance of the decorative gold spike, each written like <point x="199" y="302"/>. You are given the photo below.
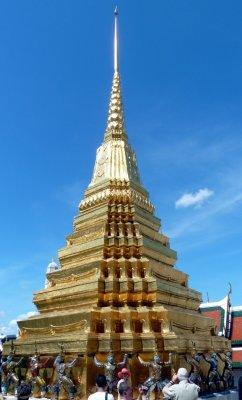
<point x="115" y="125"/>
<point x="115" y="53"/>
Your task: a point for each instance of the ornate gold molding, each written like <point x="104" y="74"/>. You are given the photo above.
<point x="73" y="277"/>
<point x="120" y="195"/>
<point x="53" y="329"/>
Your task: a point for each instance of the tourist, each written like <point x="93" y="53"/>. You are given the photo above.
<point x="101" y="393"/>
<point x="124" y="377"/>
<point x="23" y="391"/>
<point x="143" y="393"/>
<point x="123" y="390"/>
<point x="179" y="388"/>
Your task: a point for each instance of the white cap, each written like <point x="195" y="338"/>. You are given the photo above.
<point x="182" y="374"/>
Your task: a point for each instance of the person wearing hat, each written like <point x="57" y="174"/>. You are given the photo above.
<point x="179" y="388"/>
<point x="124" y="377"/>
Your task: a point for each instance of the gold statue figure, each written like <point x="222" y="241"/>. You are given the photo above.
<point x="110" y="369"/>
<point x="156" y="380"/>
<point x="9" y="376"/>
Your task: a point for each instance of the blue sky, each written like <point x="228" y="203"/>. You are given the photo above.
<point x="181" y="77"/>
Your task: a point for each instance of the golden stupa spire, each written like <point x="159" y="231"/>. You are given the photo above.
<point x="115" y="44"/>
<point x="115" y="125"/>
<point x="115" y="160"/>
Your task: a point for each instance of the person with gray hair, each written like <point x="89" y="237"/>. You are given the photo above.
<point x="179" y="388"/>
<point x="123" y="391"/>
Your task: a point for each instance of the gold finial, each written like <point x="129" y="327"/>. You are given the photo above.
<point x="115" y="125"/>
<point x="115" y="60"/>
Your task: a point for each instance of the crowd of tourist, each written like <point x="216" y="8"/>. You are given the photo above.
<point x="179" y="388"/>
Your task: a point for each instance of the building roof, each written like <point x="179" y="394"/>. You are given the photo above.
<point x="229" y="323"/>
<point x="219" y="311"/>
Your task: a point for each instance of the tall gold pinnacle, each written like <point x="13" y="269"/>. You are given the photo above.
<point x="115" y="125"/>
<point x="115" y="45"/>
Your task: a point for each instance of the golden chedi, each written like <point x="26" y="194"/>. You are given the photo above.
<point x="117" y="289"/>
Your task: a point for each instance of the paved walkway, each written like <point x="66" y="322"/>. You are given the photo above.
<point x="233" y="395"/>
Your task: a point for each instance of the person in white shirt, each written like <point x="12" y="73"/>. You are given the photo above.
<point x="101" y="393"/>
<point x="179" y="388"/>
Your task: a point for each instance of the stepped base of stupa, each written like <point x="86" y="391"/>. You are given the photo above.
<point x="128" y="329"/>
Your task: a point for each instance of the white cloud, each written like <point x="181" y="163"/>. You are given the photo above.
<point x="12" y="327"/>
<point x="6" y="330"/>
<point x="209" y="216"/>
<point x="13" y="322"/>
<point x="194" y="199"/>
